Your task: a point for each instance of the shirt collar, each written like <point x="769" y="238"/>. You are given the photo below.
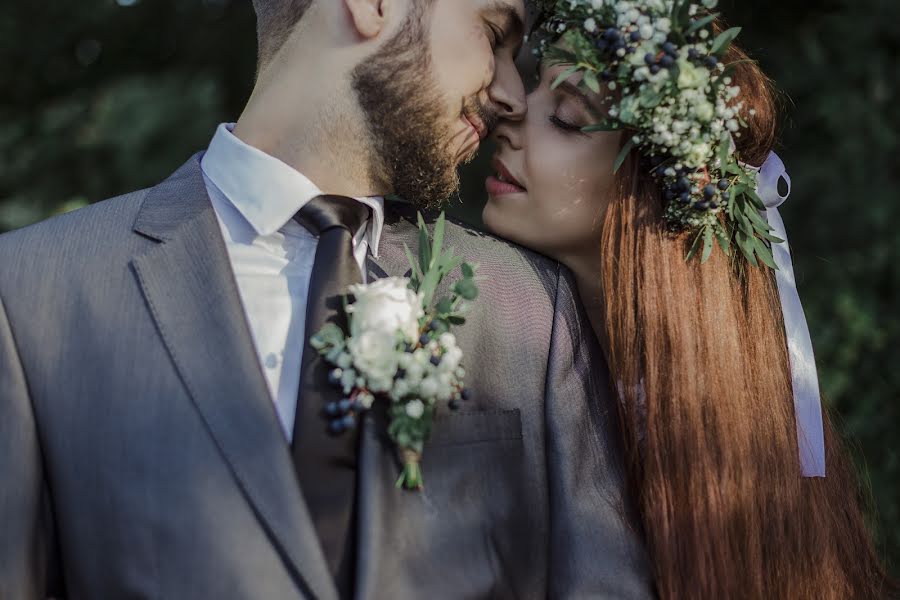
<point x="266" y="191"/>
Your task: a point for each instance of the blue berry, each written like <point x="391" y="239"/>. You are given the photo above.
<point x="650" y="58"/>
<point x="635" y="36"/>
<point x="612" y="34"/>
<point x="334" y="376"/>
<point x="407" y="347"/>
<point x="466" y="395"/>
<point x="667" y="62"/>
<point x="433" y="325"/>
<point x="400" y="374"/>
<point x="654" y="69"/>
<point x="709" y="192"/>
<point x="683" y="184"/>
<point x="602" y="45"/>
<point x="348" y="422"/>
<point x="336" y="427"/>
<point x="435" y="360"/>
<point x="693" y="54"/>
<point x="702" y="205"/>
<point x="631" y="50"/>
<point x="669" y="48"/>
<point x="345" y="405"/>
<point x="670" y="195"/>
<point x="711" y="62"/>
<point x="714" y="205"/>
<point x="332" y="409"/>
<point x="424" y="339"/>
<point x="684" y="197"/>
<point x="606" y="75"/>
<point x="723" y="184"/>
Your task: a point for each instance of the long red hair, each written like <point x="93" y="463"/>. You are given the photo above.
<point x="699" y="357"/>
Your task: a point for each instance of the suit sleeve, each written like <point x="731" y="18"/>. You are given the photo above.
<point x="26" y="538"/>
<point x="596" y="548"/>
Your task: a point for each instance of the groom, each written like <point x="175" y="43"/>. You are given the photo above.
<point x="160" y="432"/>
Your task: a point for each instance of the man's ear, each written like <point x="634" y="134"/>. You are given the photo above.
<point x="367" y="16"/>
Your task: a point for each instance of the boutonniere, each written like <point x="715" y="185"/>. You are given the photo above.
<point x="400" y="350"/>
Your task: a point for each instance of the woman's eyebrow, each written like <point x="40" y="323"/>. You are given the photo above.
<point x="579" y="94"/>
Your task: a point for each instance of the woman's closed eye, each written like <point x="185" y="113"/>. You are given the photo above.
<point x="563" y="124"/>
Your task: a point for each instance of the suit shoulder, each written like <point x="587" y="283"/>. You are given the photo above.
<point x="72" y="240"/>
<point x="104" y="217"/>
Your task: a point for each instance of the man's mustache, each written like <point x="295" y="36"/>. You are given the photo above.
<point x="488" y="114"/>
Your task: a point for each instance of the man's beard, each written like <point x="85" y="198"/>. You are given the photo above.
<point x="409" y="137"/>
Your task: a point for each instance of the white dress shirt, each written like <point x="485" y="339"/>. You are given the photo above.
<point x="255" y="197"/>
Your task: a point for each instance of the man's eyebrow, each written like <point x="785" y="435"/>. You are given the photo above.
<point x="579" y="94"/>
<point x="510" y="20"/>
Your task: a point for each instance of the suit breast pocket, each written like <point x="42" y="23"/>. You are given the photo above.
<point x="466" y="428"/>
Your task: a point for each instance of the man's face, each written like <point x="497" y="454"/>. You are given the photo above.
<point x="433" y="92"/>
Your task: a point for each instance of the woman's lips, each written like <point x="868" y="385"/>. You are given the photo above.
<point x="495" y="187"/>
<point x="503" y="183"/>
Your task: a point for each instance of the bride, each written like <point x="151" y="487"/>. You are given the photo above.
<point x="697" y="348"/>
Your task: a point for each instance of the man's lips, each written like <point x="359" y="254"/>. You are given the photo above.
<point x="478" y="125"/>
<point x="503" y="183"/>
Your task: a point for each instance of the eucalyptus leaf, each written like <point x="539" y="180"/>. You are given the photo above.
<point x="723" y="40"/>
<point x="764" y="253"/>
<point x="623" y="154"/>
<point x="701" y="23"/>
<point x="600" y="127"/>
<point x="468" y="271"/>
<point x="563" y="76"/>
<point x="590" y="80"/>
<point x="695" y="247"/>
<point x="707" y="245"/>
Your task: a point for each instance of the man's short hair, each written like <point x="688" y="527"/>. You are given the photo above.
<point x="275" y="20"/>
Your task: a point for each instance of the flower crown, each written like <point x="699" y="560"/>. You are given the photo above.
<point x="672" y="90"/>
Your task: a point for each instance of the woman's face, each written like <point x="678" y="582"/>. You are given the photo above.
<point x="552" y="181"/>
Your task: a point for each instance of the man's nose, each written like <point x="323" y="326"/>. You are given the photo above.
<point x="507" y="92"/>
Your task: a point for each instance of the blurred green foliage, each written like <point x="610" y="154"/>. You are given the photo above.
<point x="101" y="97"/>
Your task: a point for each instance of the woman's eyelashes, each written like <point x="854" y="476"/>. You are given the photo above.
<point x="562" y="124"/>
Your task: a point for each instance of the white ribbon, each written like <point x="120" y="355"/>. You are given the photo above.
<point x="804" y="378"/>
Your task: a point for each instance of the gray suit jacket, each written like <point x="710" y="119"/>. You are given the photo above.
<point x="141" y="455"/>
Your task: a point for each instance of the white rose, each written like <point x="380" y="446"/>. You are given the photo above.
<point x="386" y="306"/>
<point x="375" y="356"/>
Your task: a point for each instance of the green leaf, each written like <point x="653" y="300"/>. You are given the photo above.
<point x="623" y="154"/>
<point x="456" y="320"/>
<point x="745" y="243"/>
<point x="563" y="76"/>
<point x="424" y="246"/>
<point x="701" y="23"/>
<point x="466" y="288"/>
<point x="707" y="244"/>
<point x="600" y="127"/>
<point x="444" y="306"/>
<point x="695" y="247"/>
<point x="764" y="253"/>
<point x="468" y="271"/>
<point x="413" y="264"/>
<point x="723" y="40"/>
<point x="590" y="80"/>
<point x="438" y="240"/>
<point x="724" y="241"/>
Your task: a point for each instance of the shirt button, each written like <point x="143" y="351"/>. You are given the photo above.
<point x="271" y="360"/>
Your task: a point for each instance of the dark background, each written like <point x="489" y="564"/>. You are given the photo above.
<point x="101" y="97"/>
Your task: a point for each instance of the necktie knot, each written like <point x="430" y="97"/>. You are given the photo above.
<point x="329" y="212"/>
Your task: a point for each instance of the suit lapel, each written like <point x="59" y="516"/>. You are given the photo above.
<point x="190" y="290"/>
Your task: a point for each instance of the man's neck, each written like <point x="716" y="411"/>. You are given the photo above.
<point x="315" y="135"/>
